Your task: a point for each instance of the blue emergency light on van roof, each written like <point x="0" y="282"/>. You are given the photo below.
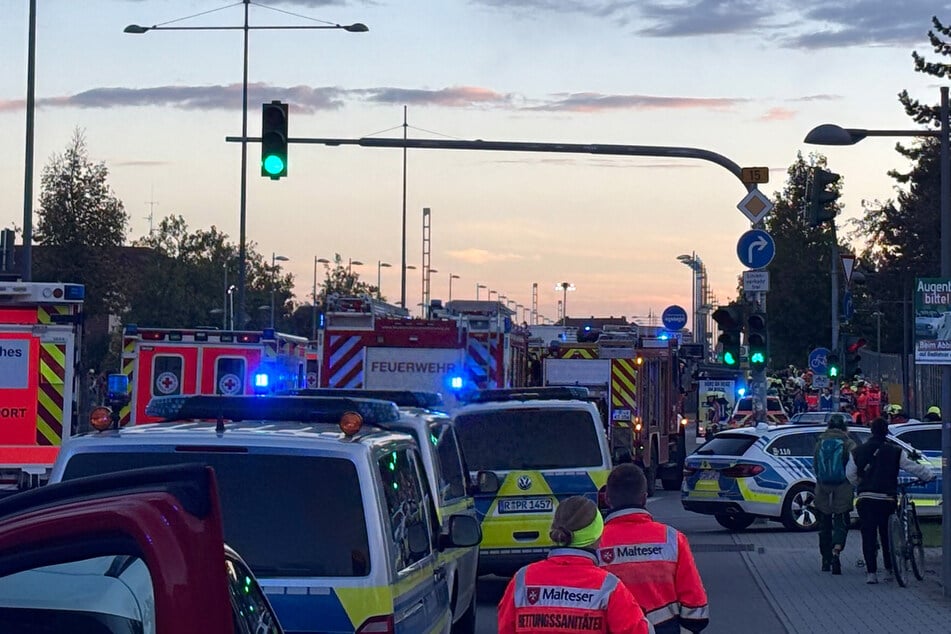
<point x="741" y="391"/>
<point x="261" y="382"/>
<point x="456" y="382"/>
<point x="402" y="398"/>
<point x="562" y="393"/>
<point x="302" y="409"/>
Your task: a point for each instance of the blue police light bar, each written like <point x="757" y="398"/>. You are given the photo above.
<point x="401" y="398"/>
<point x="456" y="382"/>
<point x="563" y="393"/>
<point x="261" y="380"/>
<point x="663" y="336"/>
<point x="117" y="385"/>
<point x="741" y="391"/>
<point x="302" y="409"/>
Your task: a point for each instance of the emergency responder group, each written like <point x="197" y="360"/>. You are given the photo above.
<point x="624" y="573"/>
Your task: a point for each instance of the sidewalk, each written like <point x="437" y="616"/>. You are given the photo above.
<point x="786" y="568"/>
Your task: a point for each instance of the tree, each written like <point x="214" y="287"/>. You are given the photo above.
<point x="343" y="281"/>
<point x="184" y="278"/>
<point x="903" y="235"/>
<point x="799" y="273"/>
<point x="83" y="223"/>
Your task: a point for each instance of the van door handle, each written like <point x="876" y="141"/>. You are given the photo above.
<point x="411" y="611"/>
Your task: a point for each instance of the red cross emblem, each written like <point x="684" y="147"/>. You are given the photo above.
<point x="229" y="384"/>
<point x="607" y="555"/>
<point x="166" y="382"/>
<point x="533" y="594"/>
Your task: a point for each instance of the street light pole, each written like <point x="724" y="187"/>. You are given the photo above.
<point x="137" y="29"/>
<point x="275" y="258"/>
<point x="479" y="286"/>
<point x="829" y="134"/>
<point x="565" y="287"/>
<point x="452" y="276"/>
<point x="380" y="264"/>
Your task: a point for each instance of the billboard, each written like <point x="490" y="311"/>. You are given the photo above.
<point x="933" y="321"/>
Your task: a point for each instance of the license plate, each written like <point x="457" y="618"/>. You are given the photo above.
<point x="710" y="475"/>
<point x="525" y="505"/>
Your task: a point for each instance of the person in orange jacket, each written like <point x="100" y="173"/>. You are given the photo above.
<point x="567" y="592"/>
<point x="652" y="559"/>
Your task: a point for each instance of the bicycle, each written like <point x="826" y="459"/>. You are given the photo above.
<point x="905" y="538"/>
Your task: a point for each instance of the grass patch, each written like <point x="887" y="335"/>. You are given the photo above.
<point x="931" y="533"/>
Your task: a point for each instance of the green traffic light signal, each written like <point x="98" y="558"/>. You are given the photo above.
<point x="274" y="140"/>
<point x="833" y="371"/>
<point x="757" y="357"/>
<point x="728" y="358"/>
<point x="832" y="366"/>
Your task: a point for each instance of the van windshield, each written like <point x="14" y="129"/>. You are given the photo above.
<point x="503" y="440"/>
<point x="288" y="516"/>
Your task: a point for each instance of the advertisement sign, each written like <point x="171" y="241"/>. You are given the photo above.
<point x="717" y="398"/>
<point x="933" y="321"/>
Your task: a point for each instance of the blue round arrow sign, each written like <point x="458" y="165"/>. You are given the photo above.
<point x="674" y="317"/>
<point x="756" y="249"/>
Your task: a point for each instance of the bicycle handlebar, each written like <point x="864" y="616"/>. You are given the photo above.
<point x="911" y="483"/>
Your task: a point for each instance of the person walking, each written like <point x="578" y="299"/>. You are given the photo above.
<point x="568" y="592"/>
<point x="873" y="469"/>
<point x="652" y="559"/>
<point x="833" y="501"/>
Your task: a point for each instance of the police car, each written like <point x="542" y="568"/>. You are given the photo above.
<point x="448" y="478"/>
<point x="332" y="511"/>
<point x="766" y="471"/>
<point x="529" y="448"/>
<point x="926" y="438"/>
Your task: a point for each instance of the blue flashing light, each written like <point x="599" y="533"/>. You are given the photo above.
<point x="74" y="292"/>
<point x="587" y="328"/>
<point x="741" y="391"/>
<point x="663" y="336"/>
<point x="261" y="380"/>
<point x="456" y="382"/>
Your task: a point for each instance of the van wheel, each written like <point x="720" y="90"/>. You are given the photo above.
<point x="734" y="522"/>
<point x="799" y="513"/>
<point x="467" y="622"/>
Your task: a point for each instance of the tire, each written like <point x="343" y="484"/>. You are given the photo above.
<point x="896" y="541"/>
<point x="734" y="522"/>
<point x="916" y="546"/>
<point x="672" y="484"/>
<point x="799" y="513"/>
<point x="467" y="622"/>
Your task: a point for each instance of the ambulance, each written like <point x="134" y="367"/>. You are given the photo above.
<point x="40" y="338"/>
<point x="186" y="361"/>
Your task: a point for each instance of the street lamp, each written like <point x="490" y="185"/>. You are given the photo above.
<point x="694" y="263"/>
<point x="352" y="263"/>
<point x="325" y="261"/>
<point x="380" y="264"/>
<point x="137" y="29"/>
<point x="275" y="258"/>
<point x="231" y="290"/>
<point x="490" y="294"/>
<point x="479" y="287"/>
<point x="829" y="134"/>
<point x="452" y="276"/>
<point x="564" y="287"/>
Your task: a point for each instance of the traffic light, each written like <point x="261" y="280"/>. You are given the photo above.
<point x="821" y="196"/>
<point x="730" y="323"/>
<point x="274" y="140"/>
<point x="832" y="366"/>
<point x="756" y="339"/>
<point x="852" y="356"/>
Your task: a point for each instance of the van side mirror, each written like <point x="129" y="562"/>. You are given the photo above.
<point x="464" y="532"/>
<point x="487" y="482"/>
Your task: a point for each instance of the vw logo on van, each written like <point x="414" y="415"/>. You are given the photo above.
<point x="524" y="483"/>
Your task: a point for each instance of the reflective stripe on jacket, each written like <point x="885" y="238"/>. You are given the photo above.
<point x="655" y="563"/>
<point x="569" y="593"/>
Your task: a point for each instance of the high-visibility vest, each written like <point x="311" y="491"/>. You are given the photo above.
<point x="655" y="562"/>
<point x="568" y="592"/>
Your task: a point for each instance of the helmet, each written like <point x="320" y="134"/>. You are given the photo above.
<point x="934" y="409"/>
<point x="894" y="408"/>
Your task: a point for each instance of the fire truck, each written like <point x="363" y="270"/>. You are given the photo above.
<point x="40" y="338"/>
<point x="636" y="380"/>
<point x="172" y="361"/>
<point x="466" y="345"/>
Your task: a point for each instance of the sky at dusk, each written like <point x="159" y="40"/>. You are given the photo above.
<point x="744" y="79"/>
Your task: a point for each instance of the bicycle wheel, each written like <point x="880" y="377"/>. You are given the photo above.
<point x="896" y="541"/>
<point x="916" y="544"/>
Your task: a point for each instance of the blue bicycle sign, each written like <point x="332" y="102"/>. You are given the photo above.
<point x="818" y="360"/>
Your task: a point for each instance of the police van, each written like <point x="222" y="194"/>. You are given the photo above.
<point x="448" y="477"/>
<point x="333" y="513"/>
<point x="529" y="449"/>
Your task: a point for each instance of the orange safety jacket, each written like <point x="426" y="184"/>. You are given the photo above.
<point x="569" y="593"/>
<point x="655" y="563"/>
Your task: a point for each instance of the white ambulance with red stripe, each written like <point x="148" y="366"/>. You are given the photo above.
<point x="185" y="361"/>
<point x="468" y="345"/>
<point x="40" y="337"/>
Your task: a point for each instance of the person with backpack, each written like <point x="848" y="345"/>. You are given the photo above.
<point x="874" y="468"/>
<point x="833" y="500"/>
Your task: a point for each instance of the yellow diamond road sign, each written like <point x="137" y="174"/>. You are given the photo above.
<point x="755" y="205"/>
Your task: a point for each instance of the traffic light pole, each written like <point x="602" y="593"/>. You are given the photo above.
<point x="758" y="374"/>
<point x="834" y="382"/>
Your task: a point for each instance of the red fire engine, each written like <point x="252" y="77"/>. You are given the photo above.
<point x="468" y="344"/>
<point x="170" y="361"/>
<point x="40" y="333"/>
